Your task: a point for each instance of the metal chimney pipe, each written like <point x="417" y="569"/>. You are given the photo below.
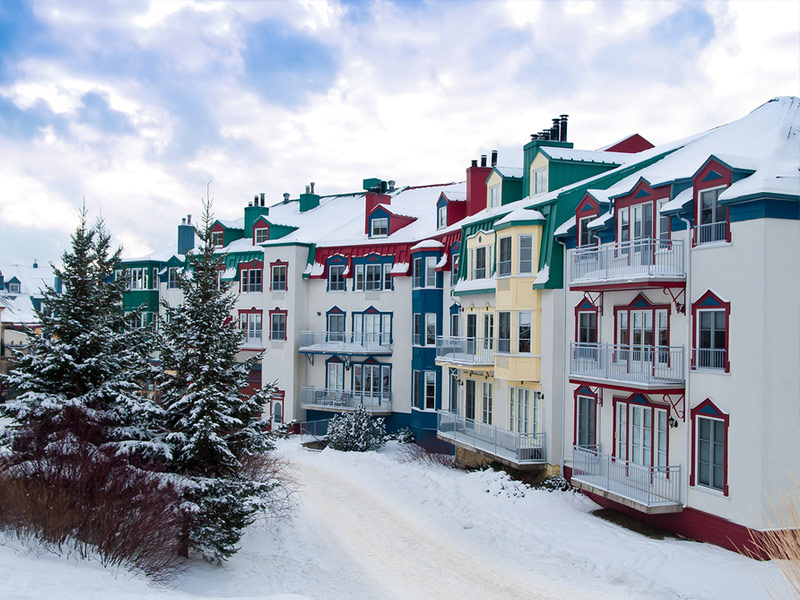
<point x="554" y="130"/>
<point x="188" y="219"/>
<point x="308" y="188"/>
<point x="262" y="199"/>
<point x="255" y="200"/>
<point x="483" y="160"/>
<point x="494" y="158"/>
<point x="286" y="196"/>
<point x="312" y="187"/>
<point x="474" y="162"/>
<point x="563" y="128"/>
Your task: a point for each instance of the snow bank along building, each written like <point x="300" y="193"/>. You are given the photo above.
<point x="627" y="316"/>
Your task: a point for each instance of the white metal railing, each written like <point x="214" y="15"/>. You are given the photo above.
<point x="465" y="351"/>
<point x="317" y="430"/>
<point x="650" y="486"/>
<point x="312" y="397"/>
<point x="637" y="364"/>
<point x="518" y="447"/>
<point x="341" y="342"/>
<point x="718" y="231"/>
<point x="710" y="358"/>
<point x="626" y="260"/>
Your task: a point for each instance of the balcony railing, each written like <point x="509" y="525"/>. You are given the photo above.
<point x="648" y="486"/>
<point x="710" y="358"/>
<point x="332" y="399"/>
<point x="520" y="448"/>
<point x="649" y="365"/>
<point x="465" y="351"/>
<point x="339" y="342"/>
<point x="709" y="233"/>
<point x="643" y="259"/>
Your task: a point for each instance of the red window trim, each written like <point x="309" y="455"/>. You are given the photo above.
<point x="700" y="186"/>
<point x="721" y="416"/>
<point x="616" y="401"/>
<point x="276" y="311"/>
<point x="629" y="200"/>
<point x="279" y="263"/>
<point x="721" y="305"/>
<point x="581" y="307"/>
<point x="259" y="224"/>
<point x="580" y="213"/>
<point x="575" y="395"/>
<point x="253" y="265"/>
<point x="651" y="307"/>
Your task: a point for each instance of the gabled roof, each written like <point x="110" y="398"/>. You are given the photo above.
<point x="507" y="172"/>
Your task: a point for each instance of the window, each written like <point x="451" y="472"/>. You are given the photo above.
<point x="504" y="258"/>
<point x="494" y="195"/>
<point x="372" y="382"/>
<point x="662" y="226"/>
<point x="710" y="320"/>
<point x="585" y="421"/>
<point x="479" y="261"/>
<point x="488" y="331"/>
<point x="277" y="327"/>
<point x="336" y="278"/>
<point x="712" y="218"/>
<point x="623" y="227"/>
<point x="372" y="329"/>
<point x="417" y="272"/>
<point x="250" y="323"/>
<point x="454" y="324"/>
<point x="587" y="327"/>
<point x="584" y="235"/>
<point x="710" y="449"/>
<point x="430" y="271"/>
<point x="453" y="394"/>
<point x="525" y="254"/>
<point x="504" y="332"/>
<point x="173" y="279"/>
<point x="13" y="287"/>
<point x="486" y="414"/>
<point x="279" y="277"/>
<point x="335" y="327"/>
<point x="417" y="389"/>
<point x="430" y="329"/>
<point x="218" y="239"/>
<point x="261" y="234"/>
<point x="335" y="375"/>
<point x="416" y="332"/>
<point x="220" y="284"/>
<point x="454" y="269"/>
<point x="138" y="279"/>
<point x="519" y="410"/>
<point x="469" y="400"/>
<point x="373" y="277"/>
<point x="277" y="412"/>
<point x="540" y="181"/>
<point x="430" y="390"/>
<point x="441" y="217"/>
<point x="524" y="340"/>
<point x="641" y="432"/>
<point x="379" y="227"/>
<point x="251" y="281"/>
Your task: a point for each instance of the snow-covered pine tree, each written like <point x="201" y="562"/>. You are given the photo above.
<point x="356" y="431"/>
<point x="78" y="387"/>
<point x="213" y="430"/>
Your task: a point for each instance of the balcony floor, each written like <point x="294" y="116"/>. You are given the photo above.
<point x="490" y="451"/>
<point x="598" y="485"/>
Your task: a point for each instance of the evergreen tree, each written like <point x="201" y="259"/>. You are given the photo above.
<point x="215" y="434"/>
<point x="78" y="389"/>
<point x="356" y="431"/>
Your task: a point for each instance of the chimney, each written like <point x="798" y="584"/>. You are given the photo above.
<point x="185" y="235"/>
<point x="35" y="264"/>
<point x="308" y="189"/>
<point x="494" y="158"/>
<point x="255" y="201"/>
<point x="312" y="187"/>
<point x="563" y="128"/>
<point x="2" y="281"/>
<point x="262" y="199"/>
<point x="285" y="197"/>
<point x="251" y="204"/>
<point x="554" y="135"/>
<point x="476" y="186"/>
<point x="391" y="185"/>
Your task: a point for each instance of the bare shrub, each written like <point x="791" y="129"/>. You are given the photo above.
<point x="271" y="468"/>
<point x="414" y="453"/>
<point x="94" y="505"/>
<point x="781" y="545"/>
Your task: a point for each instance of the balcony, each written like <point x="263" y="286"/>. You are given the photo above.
<point x="645" y="366"/>
<point x="639" y="260"/>
<point x="713" y="359"/>
<point x="648" y="489"/>
<point x="344" y="400"/>
<point x="718" y="232"/>
<point x="464" y="351"/>
<point x="339" y="342"/>
<point x="516" y="449"/>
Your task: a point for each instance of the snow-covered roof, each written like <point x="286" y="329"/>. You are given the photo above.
<point x="233" y="223"/>
<point x="510" y="171"/>
<point x="17" y="306"/>
<point x="565" y="227"/>
<point x="590" y="156"/>
<point x="601" y="221"/>
<point x="520" y="215"/>
<point x="456" y="196"/>
<point x="678" y="202"/>
<point x="432" y="244"/>
<point x="475" y="285"/>
<point x="780" y="179"/>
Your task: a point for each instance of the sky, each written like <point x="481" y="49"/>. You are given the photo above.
<point x="133" y="107"/>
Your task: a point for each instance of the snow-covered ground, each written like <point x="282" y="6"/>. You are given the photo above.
<point x="371" y="527"/>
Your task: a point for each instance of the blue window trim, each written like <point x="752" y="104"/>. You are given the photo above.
<point x="379" y="213"/>
<point x="333" y="359"/>
<point x="369" y="361"/>
<point x="371" y="310"/>
<point x="336" y="259"/>
<point x="372" y="259"/>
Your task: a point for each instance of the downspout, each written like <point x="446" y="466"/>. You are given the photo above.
<point x="565" y="367"/>
<point x="687" y="363"/>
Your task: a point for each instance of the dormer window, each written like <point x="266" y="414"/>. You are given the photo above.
<point x="379" y="227"/>
<point x="261" y="234"/>
<point x="441" y="217"/>
<point x="218" y="239"/>
<point x="540" y="181"/>
<point x="584" y="235"/>
<point x="13" y="287"/>
<point x="494" y="196"/>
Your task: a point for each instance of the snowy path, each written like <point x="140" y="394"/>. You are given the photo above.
<point x="401" y="559"/>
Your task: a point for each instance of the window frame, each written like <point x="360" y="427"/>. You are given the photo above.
<point x="710" y="302"/>
<point x="642" y="402"/>
<point x="277" y="314"/>
<point x="257" y="231"/>
<point x="487" y="402"/>
<point x="539" y="181"/>
<point x="379" y="227"/>
<point x="495" y="196"/>
<point x="520" y="337"/>
<point x="279" y="265"/>
<point x="585" y="394"/>
<point x="257" y="316"/>
<point x="504" y="256"/>
<point x="708" y="410"/>
<point x="503" y="343"/>
<point x="218" y="238"/>
<point x="429" y="390"/>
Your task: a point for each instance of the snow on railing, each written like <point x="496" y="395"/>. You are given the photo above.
<point x="659" y="258"/>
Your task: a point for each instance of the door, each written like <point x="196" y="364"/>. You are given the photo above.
<point x="472" y="332"/>
<point x="336" y="376"/>
<point x="469" y="411"/>
<point x="372" y="330"/>
<point x="641" y="435"/>
<point x="641" y="341"/>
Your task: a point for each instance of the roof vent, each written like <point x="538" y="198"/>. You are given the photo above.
<point x="286" y="196"/>
<point x="391" y="185"/>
